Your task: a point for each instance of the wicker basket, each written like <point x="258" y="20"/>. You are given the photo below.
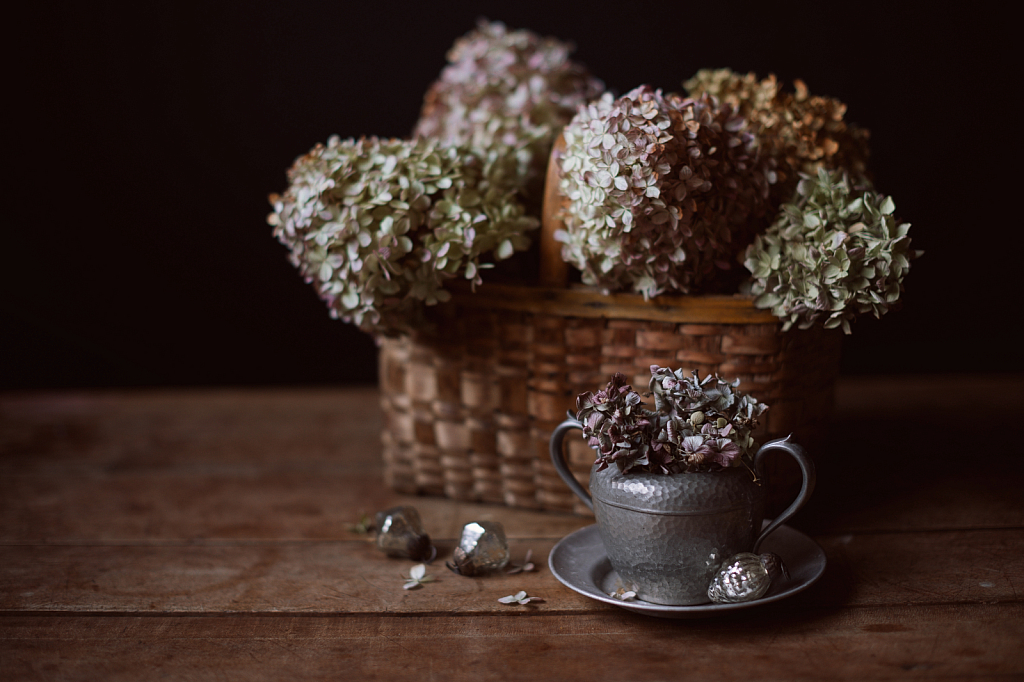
<point x="469" y="412"/>
<point x="470" y="408"/>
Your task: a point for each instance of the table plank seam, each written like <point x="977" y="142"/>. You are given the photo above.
<point x="517" y="613"/>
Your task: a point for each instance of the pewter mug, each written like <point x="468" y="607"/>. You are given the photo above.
<point x="667" y="535"/>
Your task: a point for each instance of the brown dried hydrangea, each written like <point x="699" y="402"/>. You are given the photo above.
<point x="379" y="225"/>
<point x="663" y="193"/>
<point x="506" y="92"/>
<point x="800" y="132"/>
<point x="696" y="424"/>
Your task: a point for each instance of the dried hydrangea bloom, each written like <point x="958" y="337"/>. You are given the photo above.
<point x="800" y="132"/>
<point x="663" y="193"/>
<point x="834" y="252"/>
<point x="706" y="422"/>
<point x="506" y="92"/>
<point x="697" y="424"/>
<point x="378" y="225"/>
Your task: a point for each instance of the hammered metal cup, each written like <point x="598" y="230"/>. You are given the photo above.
<point x="666" y="536"/>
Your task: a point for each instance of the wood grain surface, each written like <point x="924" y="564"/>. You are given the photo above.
<point x="187" y="534"/>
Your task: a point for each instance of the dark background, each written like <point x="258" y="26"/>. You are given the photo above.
<point x="144" y="142"/>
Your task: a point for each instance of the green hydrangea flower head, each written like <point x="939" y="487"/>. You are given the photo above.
<point x="834" y="252"/>
<point x="378" y="225"/>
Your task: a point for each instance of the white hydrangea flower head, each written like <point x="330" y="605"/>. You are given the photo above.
<point x="663" y="193"/>
<point x="509" y="93"/>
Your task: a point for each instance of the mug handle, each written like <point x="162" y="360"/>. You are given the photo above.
<point x="806" y="468"/>
<point x="797" y="452"/>
<point x="558" y="459"/>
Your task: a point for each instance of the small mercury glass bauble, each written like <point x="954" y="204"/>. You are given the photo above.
<point x="400" y="534"/>
<point x="482" y="549"/>
<point x="745" y="577"/>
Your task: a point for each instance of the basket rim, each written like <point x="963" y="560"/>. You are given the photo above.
<point x="595" y="303"/>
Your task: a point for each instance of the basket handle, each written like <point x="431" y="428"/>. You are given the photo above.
<point x="554" y="272"/>
<point x="558" y="459"/>
<point x="809" y="479"/>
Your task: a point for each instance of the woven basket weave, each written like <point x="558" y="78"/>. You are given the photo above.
<point x="470" y="407"/>
<point x="469" y="411"/>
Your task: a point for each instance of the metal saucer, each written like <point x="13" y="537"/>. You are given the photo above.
<point x="579" y="561"/>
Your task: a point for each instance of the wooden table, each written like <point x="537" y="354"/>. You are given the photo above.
<point x="203" y="534"/>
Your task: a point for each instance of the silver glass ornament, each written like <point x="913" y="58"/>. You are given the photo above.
<point x="745" y="577"/>
<point x="482" y="549"/>
<point x="400" y="534"/>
